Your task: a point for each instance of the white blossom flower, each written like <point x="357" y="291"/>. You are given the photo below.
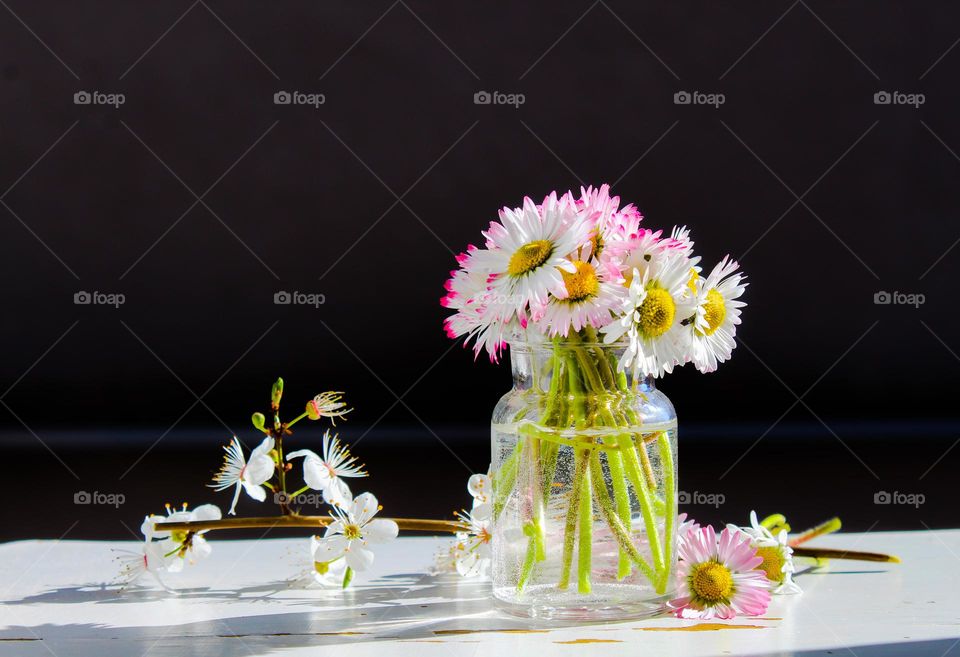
<point x="327" y="473"/>
<point x="180" y="544"/>
<point x="776" y="553"/>
<point x="327" y="404"/>
<point x="248" y="475"/>
<point x="480" y="487"/>
<point x="149" y="559"/>
<point x="352" y="531"/>
<point x="445" y="558"/>
<point x="324" y="574"/>
<point x="472" y="552"/>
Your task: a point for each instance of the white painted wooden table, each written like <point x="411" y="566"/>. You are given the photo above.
<point x="54" y="603"/>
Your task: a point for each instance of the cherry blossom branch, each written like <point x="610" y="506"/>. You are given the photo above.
<point x="408" y="524"/>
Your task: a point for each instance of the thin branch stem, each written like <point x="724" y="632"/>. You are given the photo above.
<point x="314" y="522"/>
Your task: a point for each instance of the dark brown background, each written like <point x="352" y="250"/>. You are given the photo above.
<point x="303" y="198"/>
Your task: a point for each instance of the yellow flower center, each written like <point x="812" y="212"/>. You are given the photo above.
<point x="322" y="567"/>
<point x="178" y="536"/>
<point x="711" y="582"/>
<point x="582" y="283"/>
<point x="716" y="311"/>
<point x="656" y="312"/>
<point x="772" y="563"/>
<point x="352" y="532"/>
<point x="529" y="256"/>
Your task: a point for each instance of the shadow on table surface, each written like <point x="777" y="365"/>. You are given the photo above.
<point x="404" y="606"/>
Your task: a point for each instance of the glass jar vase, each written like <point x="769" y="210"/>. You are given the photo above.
<point x="584" y="464"/>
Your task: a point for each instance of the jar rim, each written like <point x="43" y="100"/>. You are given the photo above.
<point x="525" y="343"/>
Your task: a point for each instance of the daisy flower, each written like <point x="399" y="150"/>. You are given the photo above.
<point x="685" y="525"/>
<point x="719" y="577"/>
<point x="180" y="544"/>
<point x="610" y="223"/>
<point x="717" y="316"/>
<point x="657" y="302"/>
<point x="327" y="404"/>
<point x="327" y="473"/>
<point x="472" y="551"/>
<point x="527" y="251"/>
<point x="776" y="554"/>
<point x="352" y="531"/>
<point x="593" y="294"/>
<point x="480" y="314"/>
<point x="241" y="473"/>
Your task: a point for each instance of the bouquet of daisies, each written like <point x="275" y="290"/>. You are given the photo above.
<point x="569" y="267"/>
<point x="572" y="275"/>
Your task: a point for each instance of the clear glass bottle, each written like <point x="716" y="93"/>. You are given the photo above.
<point x="584" y="463"/>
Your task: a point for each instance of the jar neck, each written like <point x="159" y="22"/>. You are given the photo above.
<point x="592" y="366"/>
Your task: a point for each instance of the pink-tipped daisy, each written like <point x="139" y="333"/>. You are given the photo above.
<point x="526" y="253"/>
<point x="594" y="294"/>
<point x="609" y="223"/>
<point x="481" y="315"/>
<point x="719" y="578"/>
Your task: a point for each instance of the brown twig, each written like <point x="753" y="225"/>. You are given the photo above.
<point x="314" y="522"/>
<point x="827" y="553"/>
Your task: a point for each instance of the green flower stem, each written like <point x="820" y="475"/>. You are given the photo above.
<point x="299" y="492"/>
<point x="296" y="419"/>
<point x="670" y="497"/>
<point x="529" y="558"/>
<point x="347" y="577"/>
<point x="643" y="496"/>
<point x="622" y="498"/>
<point x="620" y="529"/>
<point x="584" y="552"/>
<point x="505" y="480"/>
<point x="620" y="532"/>
<point x="581" y="459"/>
<point x="622" y="386"/>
